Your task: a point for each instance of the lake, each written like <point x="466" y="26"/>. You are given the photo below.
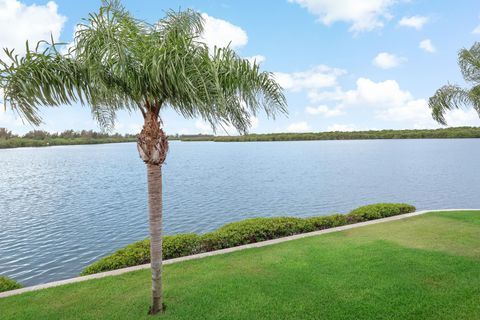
<point x="61" y="208"/>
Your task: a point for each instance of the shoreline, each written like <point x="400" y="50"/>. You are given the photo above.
<point x="221" y="251"/>
<point x="49" y="144"/>
<point x="235" y="140"/>
<point x="16" y="141"/>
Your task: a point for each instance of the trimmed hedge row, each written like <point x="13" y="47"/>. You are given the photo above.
<point x="7" y="284"/>
<point x="381" y="210"/>
<point x="239" y="233"/>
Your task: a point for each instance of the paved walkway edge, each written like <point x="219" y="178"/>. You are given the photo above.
<point x="218" y="252"/>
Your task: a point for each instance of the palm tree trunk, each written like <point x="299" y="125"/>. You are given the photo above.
<point x="152" y="147"/>
<point x="154" y="177"/>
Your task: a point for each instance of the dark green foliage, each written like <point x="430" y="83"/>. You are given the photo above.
<point x="139" y="253"/>
<point x="134" y="254"/>
<point x="180" y="245"/>
<point x="381" y="210"/>
<point x="70" y="137"/>
<point x="6" y="134"/>
<point x="7" y="284"/>
<point x="22" y="142"/>
<point x="240" y="233"/>
<point x="446" y="133"/>
<point x="38" y="138"/>
<point x="325" y="222"/>
<point x="253" y="230"/>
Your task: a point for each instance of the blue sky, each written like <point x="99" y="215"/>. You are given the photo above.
<point x="344" y="64"/>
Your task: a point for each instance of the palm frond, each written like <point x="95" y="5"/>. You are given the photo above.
<point x="469" y="62"/>
<point x="186" y="23"/>
<point x="447" y="98"/>
<point x="43" y="78"/>
<point x="118" y="62"/>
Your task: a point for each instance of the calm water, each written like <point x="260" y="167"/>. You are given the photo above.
<point x="62" y="208"/>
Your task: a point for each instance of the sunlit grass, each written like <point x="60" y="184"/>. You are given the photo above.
<point x="426" y="267"/>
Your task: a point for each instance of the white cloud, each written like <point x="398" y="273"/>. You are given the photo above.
<point x="341" y="127"/>
<point x="256" y="58"/>
<point x="221" y="33"/>
<point x="416" y="111"/>
<point x="380" y="96"/>
<point x="391" y="103"/>
<point x="382" y="100"/>
<point x="20" y="22"/>
<point x="371" y="94"/>
<point x="318" y="96"/>
<point x="325" y="111"/>
<point x="476" y="30"/>
<point x="416" y="22"/>
<point x="385" y="99"/>
<point x="318" y="77"/>
<point x="462" y="117"/>
<point x="301" y="126"/>
<point x="387" y="60"/>
<point x="427" y="46"/>
<point x="364" y="15"/>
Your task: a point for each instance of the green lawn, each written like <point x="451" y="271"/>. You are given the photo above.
<point x="426" y="267"/>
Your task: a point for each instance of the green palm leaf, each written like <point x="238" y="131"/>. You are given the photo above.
<point x="451" y="97"/>
<point x="117" y="62"/>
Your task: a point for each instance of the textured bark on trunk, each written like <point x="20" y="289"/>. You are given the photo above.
<point x="152" y="142"/>
<point x="152" y="147"/>
<point x="154" y="173"/>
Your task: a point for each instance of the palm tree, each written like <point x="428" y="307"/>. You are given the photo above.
<point x="450" y="96"/>
<point x="117" y="62"/>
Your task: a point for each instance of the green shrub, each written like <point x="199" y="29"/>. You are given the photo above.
<point x="7" y="284"/>
<point x="253" y="230"/>
<point x="180" y="245"/>
<point x="134" y="254"/>
<point x="139" y="253"/>
<point x="381" y="210"/>
<point x="325" y="222"/>
<point x="239" y="233"/>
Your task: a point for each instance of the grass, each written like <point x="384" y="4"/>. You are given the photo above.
<point x="426" y="267"/>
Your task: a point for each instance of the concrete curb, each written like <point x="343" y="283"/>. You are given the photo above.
<point x="222" y="251"/>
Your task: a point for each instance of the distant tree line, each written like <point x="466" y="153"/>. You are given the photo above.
<point x="200" y="136"/>
<point x="40" y="138"/>
<point x="444" y="133"/>
<point x="6" y="134"/>
<point x="67" y="134"/>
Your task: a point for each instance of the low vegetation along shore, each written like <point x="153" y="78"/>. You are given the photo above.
<point x="7" y="284"/>
<point x="445" y="133"/>
<point x="232" y="235"/>
<point x="423" y="267"/>
<point x="38" y="138"/>
<point x="240" y="233"/>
